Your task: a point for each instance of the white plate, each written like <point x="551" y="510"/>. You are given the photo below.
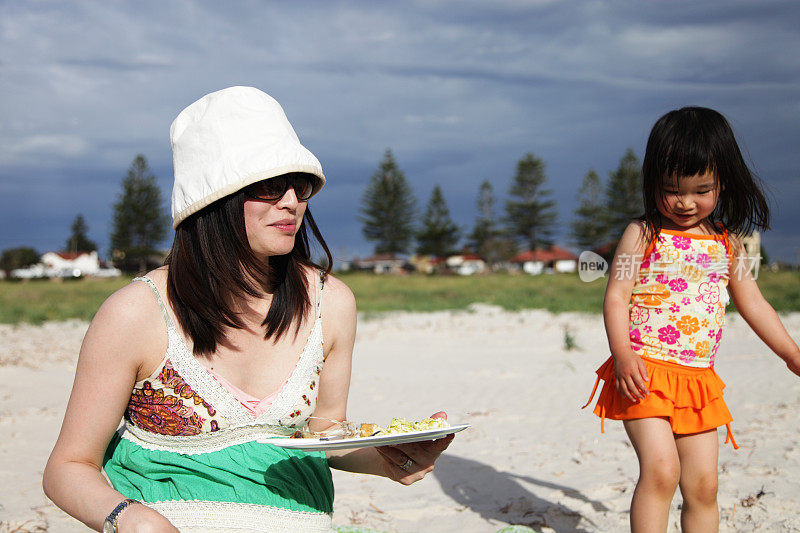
<point x="312" y="445"/>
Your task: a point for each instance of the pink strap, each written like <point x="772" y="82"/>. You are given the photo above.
<point x="254" y="405"/>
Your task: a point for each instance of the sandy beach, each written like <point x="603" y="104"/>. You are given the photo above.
<point x="531" y="457"/>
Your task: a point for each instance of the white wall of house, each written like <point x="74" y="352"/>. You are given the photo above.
<point x="86" y="263"/>
<point x="471" y="266"/>
<point x="533" y="267"/>
<point x="565" y="265"/>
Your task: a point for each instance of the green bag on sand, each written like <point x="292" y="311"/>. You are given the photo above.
<point x="517" y="529"/>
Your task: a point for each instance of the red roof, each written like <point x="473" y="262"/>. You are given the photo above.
<point x="70" y="255"/>
<point x="554" y="253"/>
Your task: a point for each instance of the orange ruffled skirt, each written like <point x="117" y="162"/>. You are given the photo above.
<point x="691" y="398"/>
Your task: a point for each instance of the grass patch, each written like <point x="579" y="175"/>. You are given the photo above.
<point x="781" y="289"/>
<point x="38" y="301"/>
<point x="556" y="292"/>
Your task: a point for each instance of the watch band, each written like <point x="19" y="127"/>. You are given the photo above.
<point x="110" y="523"/>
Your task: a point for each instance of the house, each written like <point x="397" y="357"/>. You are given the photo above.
<point x="554" y="259"/>
<point x="381" y="264"/>
<point x="425" y="264"/>
<point x="466" y="264"/>
<point x="66" y="265"/>
<point x="77" y="264"/>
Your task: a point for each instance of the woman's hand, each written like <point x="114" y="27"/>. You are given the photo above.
<point x="138" y="518"/>
<point x="630" y="375"/>
<point x="408" y="463"/>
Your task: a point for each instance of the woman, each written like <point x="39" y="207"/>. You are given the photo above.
<point x="212" y="355"/>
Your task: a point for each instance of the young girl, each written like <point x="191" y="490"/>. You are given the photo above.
<point x="664" y="313"/>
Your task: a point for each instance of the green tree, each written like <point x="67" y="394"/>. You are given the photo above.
<point x="624" y="193"/>
<point x="487" y="239"/>
<point x="78" y="241"/>
<point x="388" y="208"/>
<point x="21" y="257"/>
<point x="485" y="226"/>
<point x="439" y="235"/>
<point x="590" y="227"/>
<point x="531" y="213"/>
<point x="140" y="220"/>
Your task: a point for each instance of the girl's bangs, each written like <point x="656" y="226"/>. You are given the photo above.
<point x="687" y="158"/>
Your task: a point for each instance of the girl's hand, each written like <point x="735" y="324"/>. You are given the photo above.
<point x="408" y="463"/>
<point x="630" y="375"/>
<point x="793" y="363"/>
<point x="139" y="518"/>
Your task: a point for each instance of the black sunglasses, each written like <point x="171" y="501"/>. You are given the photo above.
<point x="274" y="188"/>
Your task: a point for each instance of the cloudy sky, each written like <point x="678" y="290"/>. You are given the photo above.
<point x="458" y="90"/>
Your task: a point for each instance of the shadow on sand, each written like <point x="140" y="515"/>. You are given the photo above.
<point x="500" y="496"/>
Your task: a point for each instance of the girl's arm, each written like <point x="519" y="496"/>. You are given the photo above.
<point x="629" y="369"/>
<point x="114" y="349"/>
<point x="339" y="331"/>
<point x="758" y="313"/>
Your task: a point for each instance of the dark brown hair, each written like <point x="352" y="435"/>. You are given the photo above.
<point x="211" y="265"/>
<point x="695" y="140"/>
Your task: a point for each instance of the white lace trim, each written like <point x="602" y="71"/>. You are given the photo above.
<point x="203" y="383"/>
<point x="204" y="442"/>
<point x="241" y="516"/>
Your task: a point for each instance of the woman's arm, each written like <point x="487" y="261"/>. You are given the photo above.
<point x="119" y="340"/>
<point x="629" y="369"/>
<point x="758" y="313"/>
<point x="339" y="331"/>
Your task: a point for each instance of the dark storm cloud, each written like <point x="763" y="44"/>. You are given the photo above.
<point x="459" y="90"/>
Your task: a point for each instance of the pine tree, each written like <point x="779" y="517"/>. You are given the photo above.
<point x="624" y="193"/>
<point x="590" y="226"/>
<point x="78" y="240"/>
<point x="388" y="208"/>
<point x="140" y="221"/>
<point x="439" y="235"/>
<point x="531" y="213"/>
<point x="487" y="239"/>
<point x="484" y="229"/>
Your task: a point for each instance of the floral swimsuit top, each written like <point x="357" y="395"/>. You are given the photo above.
<point x="182" y="398"/>
<point x="677" y="309"/>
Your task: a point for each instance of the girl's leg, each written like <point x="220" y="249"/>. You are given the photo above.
<point x="698" y="455"/>
<point x="659" y="473"/>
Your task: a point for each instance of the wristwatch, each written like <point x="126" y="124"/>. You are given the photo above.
<point x="110" y="524"/>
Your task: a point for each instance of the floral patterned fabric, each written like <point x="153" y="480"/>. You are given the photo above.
<point x="165" y="404"/>
<point x="677" y="309"/>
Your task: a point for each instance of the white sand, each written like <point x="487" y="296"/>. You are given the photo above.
<point x="532" y="457"/>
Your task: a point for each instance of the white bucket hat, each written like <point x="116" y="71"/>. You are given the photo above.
<point x="227" y="140"/>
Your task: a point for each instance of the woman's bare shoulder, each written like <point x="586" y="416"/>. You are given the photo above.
<point x="133" y="302"/>
<point x="338" y="295"/>
<point x="130" y="322"/>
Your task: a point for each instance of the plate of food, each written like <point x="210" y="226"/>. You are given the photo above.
<point x="348" y="435"/>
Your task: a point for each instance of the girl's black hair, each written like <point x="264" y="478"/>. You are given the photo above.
<point x="211" y="265"/>
<point x="695" y="140"/>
